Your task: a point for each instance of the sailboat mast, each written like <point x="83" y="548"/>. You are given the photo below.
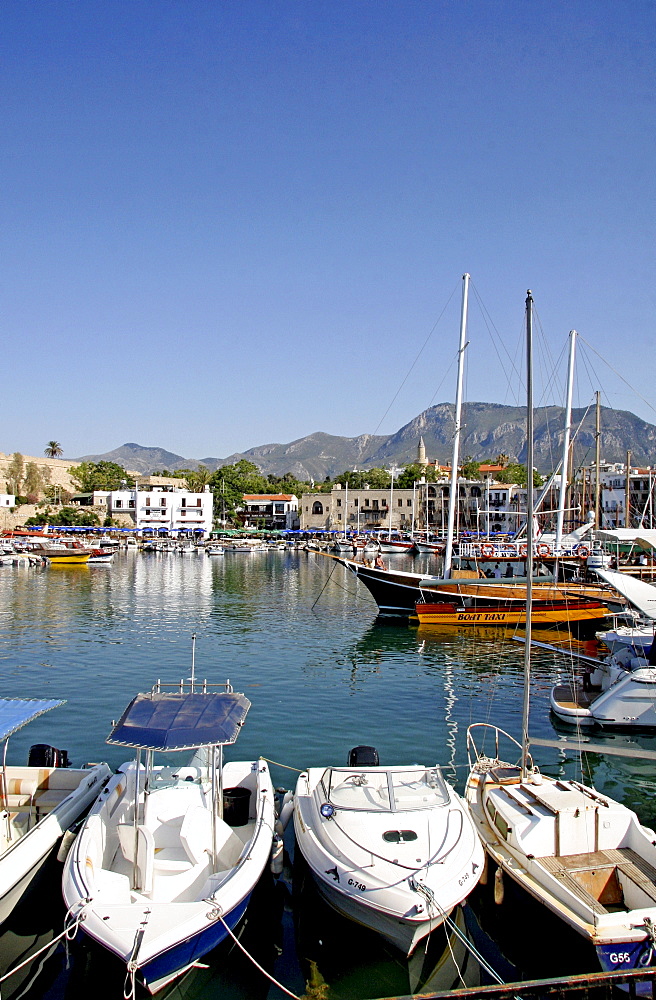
<point x="597" y="507"/>
<point x="566" y="438"/>
<point x="529" y="528"/>
<point x="453" y="497"/>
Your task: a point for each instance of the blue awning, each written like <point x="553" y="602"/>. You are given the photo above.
<point x="16" y="712"/>
<point x="174" y="721"/>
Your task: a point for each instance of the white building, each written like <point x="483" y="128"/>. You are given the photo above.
<point x="7" y="500"/>
<point x="162" y="508"/>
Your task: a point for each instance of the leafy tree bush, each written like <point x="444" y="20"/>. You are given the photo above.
<point x="15" y="473"/>
<point x="90" y="476"/>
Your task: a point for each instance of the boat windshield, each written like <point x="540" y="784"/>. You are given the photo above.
<point x="378" y="790"/>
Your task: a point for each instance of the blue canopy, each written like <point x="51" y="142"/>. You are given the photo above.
<point x="16" y="712"/>
<point x="175" y="721"/>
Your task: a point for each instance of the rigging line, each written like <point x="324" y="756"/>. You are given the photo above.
<point x="492" y="330"/>
<point x="421" y="350"/>
<point x="257" y="964"/>
<point x="619" y="375"/>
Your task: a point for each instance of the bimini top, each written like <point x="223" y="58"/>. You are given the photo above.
<point x="16" y="712"/>
<point x="175" y="721"/>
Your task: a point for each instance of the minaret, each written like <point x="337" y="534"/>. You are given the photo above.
<point x="421" y="454"/>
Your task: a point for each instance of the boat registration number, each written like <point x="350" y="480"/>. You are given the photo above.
<point x="357" y="885"/>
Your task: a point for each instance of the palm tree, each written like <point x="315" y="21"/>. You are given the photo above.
<point x="53" y="449"/>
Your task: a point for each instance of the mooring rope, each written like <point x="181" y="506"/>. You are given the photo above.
<point x="257" y="964"/>
<point x="278" y="764"/>
<point x="72" y="922"/>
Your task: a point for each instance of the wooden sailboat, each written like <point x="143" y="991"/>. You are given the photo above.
<point x="580" y="853"/>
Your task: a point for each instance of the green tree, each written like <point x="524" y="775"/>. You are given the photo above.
<point x="230" y="482"/>
<point x="90" y="476"/>
<point x="33" y="483"/>
<point x="516" y="473"/>
<point x="53" y="449"/>
<point x="198" y="479"/>
<point x="65" y="516"/>
<point x="413" y="473"/>
<point x="15" y="474"/>
<point x="470" y="469"/>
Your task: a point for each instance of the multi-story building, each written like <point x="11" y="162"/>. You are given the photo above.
<point x="169" y="509"/>
<point x="275" y="511"/>
<point x="642" y="503"/>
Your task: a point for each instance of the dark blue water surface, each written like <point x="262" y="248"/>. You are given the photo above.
<point x="300" y="636"/>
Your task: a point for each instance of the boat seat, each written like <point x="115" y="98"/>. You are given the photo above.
<point x="145" y="851"/>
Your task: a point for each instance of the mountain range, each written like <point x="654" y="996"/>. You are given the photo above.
<point x="489" y="430"/>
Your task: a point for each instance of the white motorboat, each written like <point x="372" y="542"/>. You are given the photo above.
<point x="618" y="692"/>
<point x="392" y="848"/>
<point x="164" y="866"/>
<point x="39" y="801"/>
<point x="214" y="550"/>
<point x="640" y="635"/>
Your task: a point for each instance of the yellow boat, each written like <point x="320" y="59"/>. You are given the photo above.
<point x="65" y="557"/>
<point x="549" y="613"/>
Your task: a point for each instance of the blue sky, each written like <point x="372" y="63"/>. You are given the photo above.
<point x="232" y="223"/>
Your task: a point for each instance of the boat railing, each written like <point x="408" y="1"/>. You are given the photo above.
<point x="477" y="752"/>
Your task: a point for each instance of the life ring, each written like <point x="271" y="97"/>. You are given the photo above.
<point x="487" y="551"/>
<point x="582" y="551"/>
<point x="523" y="551"/>
<point x="543" y="549"/>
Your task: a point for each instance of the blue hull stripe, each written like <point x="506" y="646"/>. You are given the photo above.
<point x="182" y="954"/>
<point x="624" y="956"/>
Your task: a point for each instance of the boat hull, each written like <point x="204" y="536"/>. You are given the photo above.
<point x="21" y="862"/>
<point x="557" y="613"/>
<point x="174" y="962"/>
<point x="402" y="934"/>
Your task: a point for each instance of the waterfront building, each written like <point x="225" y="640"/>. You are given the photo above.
<point x="168" y="509"/>
<point x="273" y="511"/>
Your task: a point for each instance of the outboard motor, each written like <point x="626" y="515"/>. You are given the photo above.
<point x="43" y="755"/>
<point x="363" y="757"/>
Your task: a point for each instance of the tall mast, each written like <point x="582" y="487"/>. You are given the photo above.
<point x="453" y="497"/>
<point x="597" y="520"/>
<point x="529" y="528"/>
<point x="566" y="438"/>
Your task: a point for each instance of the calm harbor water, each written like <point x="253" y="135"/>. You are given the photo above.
<point x="300" y="636"/>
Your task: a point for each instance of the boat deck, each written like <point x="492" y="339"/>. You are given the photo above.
<point x="592" y="877"/>
<point x="571" y="696"/>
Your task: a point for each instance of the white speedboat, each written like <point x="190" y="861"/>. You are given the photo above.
<point x="164" y="866"/>
<point x="618" y="692"/>
<point x="392" y="848"/>
<point x="39" y="802"/>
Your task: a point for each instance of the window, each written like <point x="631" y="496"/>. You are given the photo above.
<point x="317" y="507"/>
<point x="366" y="502"/>
<point x="163" y="501"/>
<point x="198" y="502"/>
<point x="383" y="502"/>
<point x="355" y="502"/>
<point x="339" y="517"/>
<point x="400" y="503"/>
<point x="408" y="503"/>
<point x="118" y="503"/>
<point x="130" y="503"/>
<point x="339" y="503"/>
<point x="375" y="503"/>
<point x="184" y="502"/>
<point x="147" y="501"/>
